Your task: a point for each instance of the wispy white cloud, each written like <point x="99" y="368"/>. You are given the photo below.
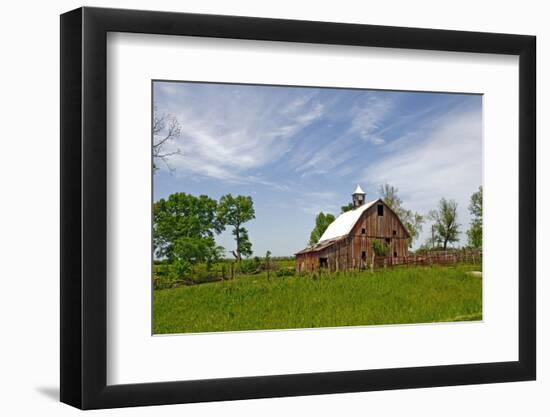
<point x="365" y="120"/>
<point x="323" y="159"/>
<point x="443" y="160"/>
<point x="225" y="139"/>
<point x="368" y="118"/>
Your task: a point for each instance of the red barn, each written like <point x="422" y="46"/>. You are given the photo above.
<point x="347" y="242"/>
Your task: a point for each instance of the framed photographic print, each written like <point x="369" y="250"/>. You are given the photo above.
<point x="258" y="207"/>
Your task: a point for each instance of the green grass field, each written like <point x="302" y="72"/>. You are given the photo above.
<point x="392" y="296"/>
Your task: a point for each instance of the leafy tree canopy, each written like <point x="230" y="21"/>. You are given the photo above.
<point x="322" y="221"/>
<point x="475" y="233"/>
<point x="411" y="220"/>
<point x="445" y="222"/>
<point x="388" y="193"/>
<point x="347" y="207"/>
<point x="184" y="226"/>
<point x="235" y="211"/>
<point x="195" y="250"/>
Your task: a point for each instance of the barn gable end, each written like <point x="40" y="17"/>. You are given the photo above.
<point x="382" y="226"/>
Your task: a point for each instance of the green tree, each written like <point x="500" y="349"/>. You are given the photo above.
<point x="184" y="227"/>
<point x="475" y="233"/>
<point x="445" y="226"/>
<point x="388" y="193"/>
<point x="347" y="207"/>
<point x="235" y="211"/>
<point x="322" y="221"/>
<point x="194" y="250"/>
<point x="411" y="220"/>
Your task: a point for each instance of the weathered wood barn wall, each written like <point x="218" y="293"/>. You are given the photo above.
<point x="354" y="250"/>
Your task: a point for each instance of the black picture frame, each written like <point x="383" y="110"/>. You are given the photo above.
<point x="84" y="207"/>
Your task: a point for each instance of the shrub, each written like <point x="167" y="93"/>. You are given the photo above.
<point x="178" y="269"/>
<point x="285" y="272"/>
<point x="160" y="269"/>
<point x="251" y="266"/>
<point x="204" y="273"/>
<point x="379" y="248"/>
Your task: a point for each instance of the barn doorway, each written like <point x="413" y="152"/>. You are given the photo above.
<point x="323" y="262"/>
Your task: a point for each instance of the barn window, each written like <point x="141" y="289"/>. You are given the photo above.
<point x="394" y="232"/>
<point x="395" y="254"/>
<point x="380" y="210"/>
<point x="387" y="240"/>
<point x="323" y="262"/>
<point x="363" y="255"/>
<point x="363" y="231"/>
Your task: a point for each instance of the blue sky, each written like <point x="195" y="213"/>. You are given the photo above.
<point x="298" y="151"/>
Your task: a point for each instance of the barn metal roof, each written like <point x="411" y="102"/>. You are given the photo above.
<point x="320" y="246"/>
<point x="344" y="222"/>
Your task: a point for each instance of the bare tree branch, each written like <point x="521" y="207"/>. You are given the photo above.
<point x="165" y="129"/>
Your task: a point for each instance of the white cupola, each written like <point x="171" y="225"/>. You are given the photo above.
<point x="358" y="197"/>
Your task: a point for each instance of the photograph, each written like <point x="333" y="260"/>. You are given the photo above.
<point x="297" y="207"/>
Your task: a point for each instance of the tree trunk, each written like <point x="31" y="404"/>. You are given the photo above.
<point x="238" y="239"/>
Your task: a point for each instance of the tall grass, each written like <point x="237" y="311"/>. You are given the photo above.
<point x="393" y="296"/>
